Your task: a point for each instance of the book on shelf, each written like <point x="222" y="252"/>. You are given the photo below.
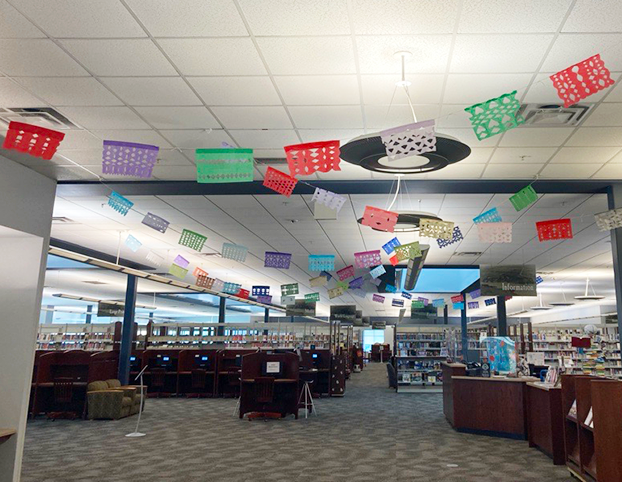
<point x="572" y="413"/>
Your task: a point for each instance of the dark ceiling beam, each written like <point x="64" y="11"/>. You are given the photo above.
<point x="92" y="253"/>
<point x="414" y="186"/>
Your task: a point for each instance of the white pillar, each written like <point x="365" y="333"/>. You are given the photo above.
<point x="26" y="203"/>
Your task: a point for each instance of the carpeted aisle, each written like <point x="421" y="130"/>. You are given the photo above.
<point x="372" y="434"/>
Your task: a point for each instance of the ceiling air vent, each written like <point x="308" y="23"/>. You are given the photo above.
<point x="552" y="115"/>
<point x="468" y="253"/>
<point x="41" y="116"/>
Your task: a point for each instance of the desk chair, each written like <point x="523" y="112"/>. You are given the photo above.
<point x="263" y="392"/>
<point x="158" y="379"/>
<point x="198" y="377"/>
<point x="63" y="396"/>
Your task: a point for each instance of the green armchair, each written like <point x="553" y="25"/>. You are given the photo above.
<point x="109" y="400"/>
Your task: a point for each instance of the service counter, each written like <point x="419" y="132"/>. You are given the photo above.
<point x="489" y="406"/>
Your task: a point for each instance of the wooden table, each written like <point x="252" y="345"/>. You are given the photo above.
<point x="489" y="406"/>
<point x="545" y="420"/>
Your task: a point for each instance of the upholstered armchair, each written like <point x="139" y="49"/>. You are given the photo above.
<point x="109" y="400"/>
<point x="132" y="391"/>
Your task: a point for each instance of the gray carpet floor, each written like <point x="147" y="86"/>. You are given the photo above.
<point x="371" y="434"/>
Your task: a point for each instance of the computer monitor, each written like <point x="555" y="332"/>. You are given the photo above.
<point x="201" y="360"/>
<point x="315" y="358"/>
<point x="166" y="358"/>
<point x="271" y="368"/>
<point x="238" y="360"/>
<point x="314" y="355"/>
<point x="132" y="359"/>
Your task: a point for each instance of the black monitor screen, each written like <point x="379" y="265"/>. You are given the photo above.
<point x="238" y="360"/>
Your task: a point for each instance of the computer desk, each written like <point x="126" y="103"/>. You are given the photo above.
<point x="228" y="373"/>
<point x="187" y="363"/>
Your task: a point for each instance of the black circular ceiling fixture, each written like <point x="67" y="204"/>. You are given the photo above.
<point x="408" y="221"/>
<point x="369" y="152"/>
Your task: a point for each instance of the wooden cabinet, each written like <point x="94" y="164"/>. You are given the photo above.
<point x="545" y="420"/>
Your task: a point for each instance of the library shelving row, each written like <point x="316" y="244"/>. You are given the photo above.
<point x="91" y="337"/>
<point x="419" y="352"/>
<point x="102" y="337"/>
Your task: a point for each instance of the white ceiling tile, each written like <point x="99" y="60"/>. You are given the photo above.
<point x="104" y="117"/>
<point x="308" y="55"/>
<point x="152" y="91"/>
<point x="498" y="53"/>
<point x="588" y="16"/>
<point x="403" y="17"/>
<point x="542" y="91"/>
<point x="264" y="117"/>
<point x="468" y="137"/>
<point x="479" y="155"/>
<point x="178" y="117"/>
<point x="476" y="88"/>
<point x="13" y="95"/>
<point x="75" y="139"/>
<point x="14" y="25"/>
<point x="26" y="57"/>
<point x="296" y="17"/>
<point x="345" y="117"/>
<point x="535" y="136"/>
<point x="265" y="139"/>
<point x="189" y="18"/>
<point x="614" y="93"/>
<point x="81" y="18"/>
<point x="459" y="171"/>
<point x="584" y="155"/>
<point x="319" y="89"/>
<point x="235" y="90"/>
<point x="376" y="53"/>
<point x="569" y="171"/>
<point x="522" y="155"/>
<point x="141" y="136"/>
<point x="81" y="156"/>
<point x="268" y="153"/>
<point x="61" y="91"/>
<point x="512" y="16"/>
<point x="173" y="157"/>
<point x="616" y="159"/>
<point x="343" y="135"/>
<point x="596" y="136"/>
<point x="381" y="89"/>
<point x="120" y="57"/>
<point x="197" y="139"/>
<point x="511" y="171"/>
<point x="384" y="116"/>
<point x="605" y="115"/>
<point x="569" y="49"/>
<point x="610" y="171"/>
<point x="214" y="56"/>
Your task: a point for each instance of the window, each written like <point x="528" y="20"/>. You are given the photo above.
<point x="372" y="336"/>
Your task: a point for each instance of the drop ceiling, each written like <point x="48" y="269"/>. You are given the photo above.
<point x="187" y="74"/>
<point x="275" y="223"/>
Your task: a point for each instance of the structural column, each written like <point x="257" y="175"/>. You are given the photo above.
<point x="502" y="319"/>
<point x="89" y="314"/>
<point x="614" y="199"/>
<point x="446" y="315"/>
<point x="221" y="316"/>
<point x="465" y="337"/>
<point x="128" y="328"/>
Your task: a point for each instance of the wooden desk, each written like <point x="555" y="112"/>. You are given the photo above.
<point x="489" y="406"/>
<point x="450" y="370"/>
<point x="6" y="434"/>
<point x="545" y="420"/>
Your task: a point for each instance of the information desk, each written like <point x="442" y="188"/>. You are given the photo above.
<point x="488" y="406"/>
<point x="269" y="384"/>
<point x="545" y="420"/>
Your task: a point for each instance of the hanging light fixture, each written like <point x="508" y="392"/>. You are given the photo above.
<point x="540" y="307"/>
<point x="587" y="297"/>
<point x="562" y="303"/>
<point x="369" y="152"/>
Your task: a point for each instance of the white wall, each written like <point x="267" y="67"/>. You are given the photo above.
<point x="26" y="203"/>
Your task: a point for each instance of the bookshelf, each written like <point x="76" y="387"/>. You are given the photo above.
<point x="69" y="336"/>
<point x="419" y="353"/>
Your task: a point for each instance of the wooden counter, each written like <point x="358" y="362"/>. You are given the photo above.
<point x="545" y="420"/>
<point x="450" y="370"/>
<point x="488" y="406"/>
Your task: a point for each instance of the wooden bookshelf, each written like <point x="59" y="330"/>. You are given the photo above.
<point x="607" y="406"/>
<point x="571" y="429"/>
